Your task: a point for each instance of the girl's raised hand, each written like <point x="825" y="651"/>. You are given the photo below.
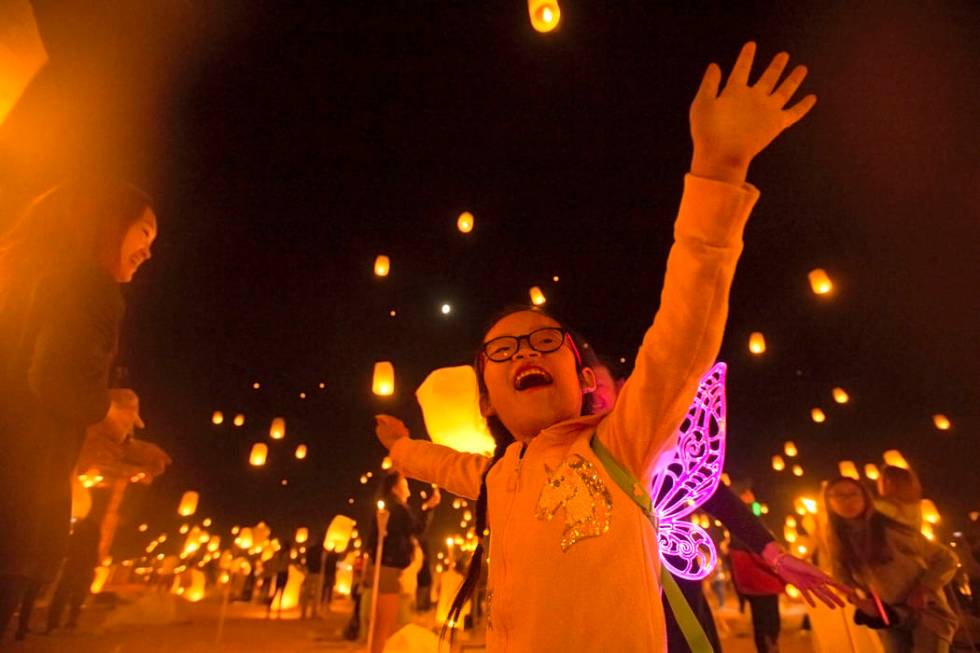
<point x="730" y="128"/>
<point x="389" y="429"/>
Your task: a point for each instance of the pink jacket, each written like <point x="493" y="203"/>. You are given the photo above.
<point x="573" y="561"/>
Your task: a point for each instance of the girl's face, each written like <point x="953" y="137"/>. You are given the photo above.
<point x="532" y="390"/>
<point x="135" y="248"/>
<point x="846" y="499"/>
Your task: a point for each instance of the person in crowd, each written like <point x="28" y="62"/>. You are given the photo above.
<point x="279" y="576"/>
<point x="900" y="495"/>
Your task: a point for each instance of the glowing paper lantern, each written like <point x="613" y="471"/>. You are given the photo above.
<point x="239" y="420"/>
<point x="277" y="431"/>
<point x="449" y="398"/>
<point x="302" y="534"/>
<point x="871" y="472"/>
<point x="840" y="396"/>
<point x="895" y="458"/>
<point x="301" y="452"/>
<point x="849" y="469"/>
<point x="545" y="14"/>
<point x="726" y="479"/>
<point x="465" y="222"/>
<point x="817" y="415"/>
<point x="789" y="533"/>
<point x="941" y="422"/>
<point x="217" y="418"/>
<point x="537" y="297"/>
<point x="778" y="463"/>
<point x="188" y="504"/>
<point x="820" y="281"/>
<point x="386" y="463"/>
<point x="797" y="470"/>
<point x="260" y="452"/>
<point x="809" y="504"/>
<point x="338" y="533"/>
<point x="790" y="449"/>
<point x="383" y="384"/>
<point x="929" y="511"/>
<point x="382" y="265"/>
<point x="446" y="309"/>
<point x="928" y="531"/>
<point x="757" y="343"/>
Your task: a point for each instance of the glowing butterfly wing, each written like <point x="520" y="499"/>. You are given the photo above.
<point x="693" y="474"/>
<point x="686" y="550"/>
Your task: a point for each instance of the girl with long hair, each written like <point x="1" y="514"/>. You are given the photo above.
<point x="896" y="569"/>
<point x="575" y="563"/>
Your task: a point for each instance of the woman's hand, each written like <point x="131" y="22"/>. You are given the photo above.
<point x="433" y="499"/>
<point x="805" y="577"/>
<point x="389" y="430"/>
<point x="731" y="128"/>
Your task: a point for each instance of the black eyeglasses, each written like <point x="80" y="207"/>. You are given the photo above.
<point x="545" y="341"/>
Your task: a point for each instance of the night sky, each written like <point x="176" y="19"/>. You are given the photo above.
<point x="292" y="146"/>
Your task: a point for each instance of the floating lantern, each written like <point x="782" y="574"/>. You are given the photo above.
<point x="188" y="504"/>
<point x="537" y="297"/>
<point x="555" y="278"/>
<point x="239" y="420"/>
<point x="849" y="469"/>
<point x="256" y="385"/>
<point x="143" y="528"/>
<point x="930" y="513"/>
<point x="789" y="533"/>
<point x="797" y="470"/>
<point x="260" y="452"/>
<point x="302" y="534"/>
<point x="895" y="458"/>
<point x="338" y="533"/>
<point x="449" y="398"/>
<point x="820" y="282"/>
<point x="302" y="395"/>
<point x="840" y="396"/>
<point x="726" y="479"/>
<point x="245" y="540"/>
<point x="790" y="449"/>
<point x="392" y="313"/>
<point x="301" y="452"/>
<point x="465" y="222"/>
<point x="810" y="505"/>
<point x="928" y="531"/>
<point x="386" y="463"/>
<point x="941" y="422"/>
<point x="383" y="384"/>
<point x="184" y="528"/>
<point x="757" y="343"/>
<point x="382" y="266"/>
<point x="778" y="463"/>
<point x="277" y="430"/>
<point x="545" y="14"/>
<point x="871" y="472"/>
<point x="217" y="417"/>
<point x="817" y="415"/>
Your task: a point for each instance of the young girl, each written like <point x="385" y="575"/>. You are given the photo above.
<point x="574" y="563"/>
<point x="897" y="564"/>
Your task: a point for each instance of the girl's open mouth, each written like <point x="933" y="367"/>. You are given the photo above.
<point x="531" y="376"/>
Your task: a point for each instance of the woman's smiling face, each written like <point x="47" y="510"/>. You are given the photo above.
<point x="532" y="390"/>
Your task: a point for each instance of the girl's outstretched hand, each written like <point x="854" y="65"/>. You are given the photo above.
<point x="730" y="128"/>
<point x="389" y="429"/>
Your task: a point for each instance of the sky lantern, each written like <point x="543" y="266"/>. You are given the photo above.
<point x="726" y="479"/>
<point x="446" y="309"/>
<point x="302" y="534"/>
<point x="217" y="417"/>
<point x="817" y="415"/>
<point x="797" y="470"/>
<point x="301" y="452"/>
<point x="778" y="463"/>
<point x="941" y="422"/>
<point x="450" y="403"/>
<point x="820" y="282"/>
<point x="465" y="222"/>
<point x="386" y="463"/>
<point x="871" y="472"/>
<point x="928" y="531"/>
<point x="757" y="343"/>
<point x="382" y="266"/>
<point x="789" y="533"/>
<point x="277" y="430"/>
<point x="537" y="297"/>
<point x="849" y="469"/>
<point x="840" y="396"/>
<point x="895" y="458"/>
<point x="383" y="383"/>
<point x="929" y="511"/>
<point x="260" y="451"/>
<point x="239" y="420"/>
<point x="545" y="15"/>
<point x="790" y="449"/>
<point x="188" y="504"/>
<point x="339" y="533"/>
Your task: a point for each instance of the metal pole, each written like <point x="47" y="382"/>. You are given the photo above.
<point x="382" y="533"/>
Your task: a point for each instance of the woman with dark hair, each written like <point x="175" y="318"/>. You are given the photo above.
<point x="897" y="573"/>
<point x="404" y="526"/>
<point x="60" y="308"/>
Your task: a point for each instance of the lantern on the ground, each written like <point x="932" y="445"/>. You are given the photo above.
<point x="941" y="421"/>
<point x="849" y="469"/>
<point x="465" y="222"/>
<point x="450" y="403"/>
<point x="383" y="383"/>
<point x="817" y="415"/>
<point x="545" y="14"/>
<point x="382" y="265"/>
<point x="871" y="472"/>
<point x="260" y="452"/>
<point x="537" y="297"/>
<point x="840" y="396"/>
<point x="188" y="504"/>
<point x="301" y="452"/>
<point x="277" y="430"/>
<point x="895" y="458"/>
<point x="778" y="463"/>
<point x="790" y="449"/>
<point x="217" y="417"/>
<point x="820" y="281"/>
<point x="757" y="343"/>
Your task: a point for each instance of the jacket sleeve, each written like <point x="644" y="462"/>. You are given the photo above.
<point x="460" y="473"/>
<point x="738" y="519"/>
<point x="77" y="334"/>
<point x="680" y="346"/>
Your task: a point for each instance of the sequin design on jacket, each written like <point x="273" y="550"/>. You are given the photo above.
<point x="576" y="486"/>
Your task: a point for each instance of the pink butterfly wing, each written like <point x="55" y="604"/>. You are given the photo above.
<point x="686" y="550"/>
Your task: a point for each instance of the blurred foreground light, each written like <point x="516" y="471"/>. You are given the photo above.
<point x="465" y="222"/>
<point x="545" y="15"/>
<point x="757" y="343"/>
<point x="871" y="472"/>
<point x="820" y="282"/>
<point x="895" y="458"/>
<point x="383" y="383"/>
<point x="382" y="266"/>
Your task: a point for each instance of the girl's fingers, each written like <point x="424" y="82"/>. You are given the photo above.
<point x="740" y="71"/>
<point x="800" y="109"/>
<point x="769" y="78"/>
<point x="710" y="82"/>
<point x="785" y="90"/>
<point x="806" y="595"/>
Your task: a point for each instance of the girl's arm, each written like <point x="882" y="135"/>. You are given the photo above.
<point x="941" y="565"/>
<point x="728" y="130"/>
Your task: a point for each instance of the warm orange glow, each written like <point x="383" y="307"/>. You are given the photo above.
<point x="778" y="463"/>
<point x="757" y="343"/>
<point x="871" y="472"/>
<point x="789" y="533"/>
<point x="545" y="14"/>
<point x="849" y="469"/>
<point x="820" y="281"/>
<point x="386" y="464"/>
<point x="302" y="535"/>
<point x="941" y="421"/>
<point x="928" y="531"/>
<point x="790" y="449"/>
<point x="817" y="415"/>
<point x="239" y="420"/>
<point x="797" y="470"/>
<point x="449" y="399"/>
<point x="217" y="417"/>
<point x="726" y="479"/>
<point x="382" y="266"/>
<point x="840" y="396"/>
<point x="381" y="505"/>
<point x="277" y="430"/>
<point x="383" y="383"/>
<point x="260" y="452"/>
<point x="188" y="504"/>
<point x="301" y="452"/>
<point x="895" y="458"/>
<point x="930" y="513"/>
<point x="809" y="504"/>
<point x="22" y="54"/>
<point x="465" y="222"/>
<point x="537" y="297"/>
<point x="792" y="592"/>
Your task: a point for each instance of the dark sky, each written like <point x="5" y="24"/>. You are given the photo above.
<point x="297" y="144"/>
